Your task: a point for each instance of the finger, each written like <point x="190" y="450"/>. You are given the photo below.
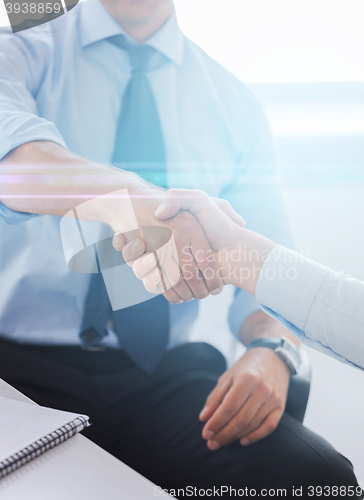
<point x="144" y="265"/>
<point x="142" y="268"/>
<point x="133" y="251"/>
<point x="215" y="398"/>
<point x="268" y="426"/>
<point x="153" y="281"/>
<point x="168" y="262"/>
<point x="225" y="206"/>
<point x="226" y="411"/>
<point x="191" y="272"/>
<point x="194" y="201"/>
<point x="175" y="200"/>
<point x="183" y="290"/>
<point x="199" y="267"/>
<point x="172" y="274"/>
<point x="156" y="281"/>
<point x="258" y="419"/>
<point x="242" y="420"/>
<point x="172" y="297"/>
<point x="168" y="208"/>
<point x="118" y="241"/>
<point x="208" y="268"/>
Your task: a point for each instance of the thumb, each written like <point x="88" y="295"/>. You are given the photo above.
<point x="169" y="207"/>
<point x="225" y="206"/>
<point x="175" y="200"/>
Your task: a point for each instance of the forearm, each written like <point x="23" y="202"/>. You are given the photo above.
<point x="241" y="264"/>
<point x="259" y="325"/>
<point x="44" y="178"/>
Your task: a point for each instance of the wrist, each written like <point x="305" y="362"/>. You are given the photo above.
<point x="145" y="199"/>
<point x="286" y="350"/>
<point x="241" y="264"/>
<point x="130" y="196"/>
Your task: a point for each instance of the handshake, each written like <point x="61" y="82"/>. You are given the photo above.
<point x="212" y="249"/>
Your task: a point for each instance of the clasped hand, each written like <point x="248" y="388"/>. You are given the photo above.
<point x="202" y="227"/>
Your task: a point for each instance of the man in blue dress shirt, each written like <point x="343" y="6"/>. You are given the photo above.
<point x="62" y="107"/>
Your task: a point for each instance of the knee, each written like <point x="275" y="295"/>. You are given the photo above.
<point x="312" y="461"/>
<point x="332" y="470"/>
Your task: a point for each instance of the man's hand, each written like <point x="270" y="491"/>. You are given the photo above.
<point x="178" y="211"/>
<point x="196" y="261"/>
<point x="195" y="264"/>
<point x="216" y="216"/>
<point x="248" y="401"/>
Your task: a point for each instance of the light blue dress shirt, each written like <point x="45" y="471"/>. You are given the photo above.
<point x="64" y="82"/>
<point x="323" y="308"/>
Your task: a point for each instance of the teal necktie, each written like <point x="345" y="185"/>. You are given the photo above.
<point x="139" y="144"/>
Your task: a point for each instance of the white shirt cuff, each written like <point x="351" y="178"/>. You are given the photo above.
<point x="288" y="284"/>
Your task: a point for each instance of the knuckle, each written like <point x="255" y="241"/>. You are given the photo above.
<point x="151" y="287"/>
<point x="252" y="378"/>
<point x="223" y="379"/>
<point x="271" y="427"/>
<point x="201" y="259"/>
<point x="184" y="218"/>
<point x="243" y="420"/>
<point x="265" y="389"/>
<point x="173" y="192"/>
<point x="137" y="272"/>
<point x="276" y="400"/>
<point x="228" y="434"/>
<point x="180" y="284"/>
<point x="198" y="291"/>
<point x="207" y="265"/>
<point x="213" y="283"/>
<point x="200" y="193"/>
<point x="230" y="410"/>
<point x="126" y="255"/>
<point x="173" y="300"/>
<point x="194" y="279"/>
<point x="215" y="429"/>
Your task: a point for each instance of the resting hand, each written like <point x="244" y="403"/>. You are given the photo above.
<point x="248" y="401"/>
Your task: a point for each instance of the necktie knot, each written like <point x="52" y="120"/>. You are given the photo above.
<point x="139" y="55"/>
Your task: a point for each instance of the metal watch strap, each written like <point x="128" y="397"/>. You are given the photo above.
<point x="285" y="349"/>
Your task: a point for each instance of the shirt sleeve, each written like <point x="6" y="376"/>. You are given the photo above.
<point x="255" y="192"/>
<point x="321" y="307"/>
<point x="12" y="217"/>
<point x="24" y="59"/>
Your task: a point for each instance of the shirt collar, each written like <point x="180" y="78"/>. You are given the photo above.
<point x="96" y="24"/>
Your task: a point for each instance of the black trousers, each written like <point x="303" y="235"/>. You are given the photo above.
<point x="151" y="422"/>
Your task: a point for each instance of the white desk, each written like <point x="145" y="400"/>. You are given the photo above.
<point x="74" y="470"/>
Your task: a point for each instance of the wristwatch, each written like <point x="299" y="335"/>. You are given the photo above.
<point x="286" y="350"/>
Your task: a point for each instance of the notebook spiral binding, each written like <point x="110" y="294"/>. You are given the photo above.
<point x="42" y="445"/>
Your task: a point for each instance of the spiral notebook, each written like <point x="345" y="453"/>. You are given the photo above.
<point x="28" y="430"/>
